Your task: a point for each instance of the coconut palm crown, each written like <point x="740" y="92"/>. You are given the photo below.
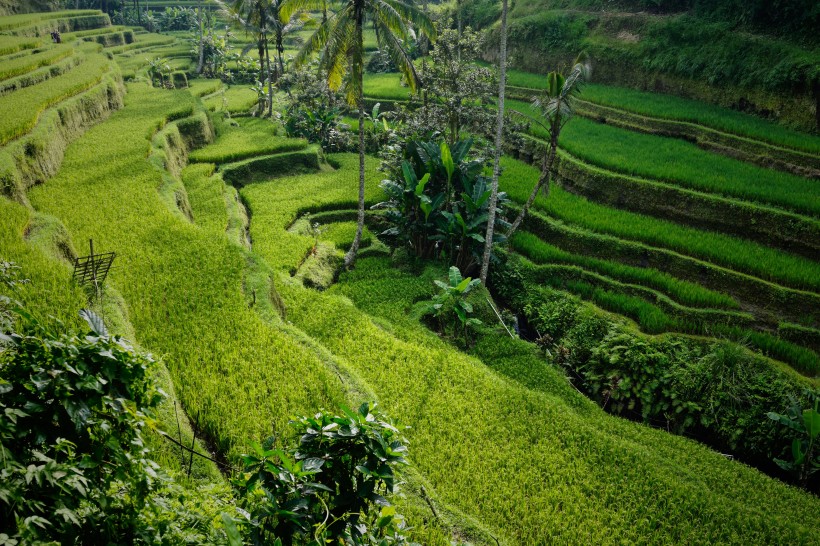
<point x="340" y="45"/>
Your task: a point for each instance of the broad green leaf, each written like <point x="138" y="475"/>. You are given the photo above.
<point x="455" y="276"/>
<point x="811" y="419"/>
<point x="234" y="537"/>
<point x="447" y="160"/>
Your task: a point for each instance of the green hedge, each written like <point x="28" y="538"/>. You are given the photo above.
<point x="669" y="381"/>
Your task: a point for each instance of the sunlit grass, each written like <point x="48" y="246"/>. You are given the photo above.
<point x="681" y="163"/>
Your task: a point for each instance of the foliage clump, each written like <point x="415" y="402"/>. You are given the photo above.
<point x="438" y="202"/>
<point x="74" y="412"/>
<point x="328" y="486"/>
<point x="314" y="112"/>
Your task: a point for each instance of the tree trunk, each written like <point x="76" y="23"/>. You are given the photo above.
<point x="270" y="79"/>
<point x="280" y="50"/>
<point x="499" y="138"/>
<point x="139" y="13"/>
<point x="324" y="12"/>
<point x="350" y="257"/>
<point x="201" y="62"/>
<point x="543" y="181"/>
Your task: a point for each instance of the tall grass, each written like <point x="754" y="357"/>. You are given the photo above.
<point x="518" y="179"/>
<point x="27" y="63"/>
<point x="235" y="100"/>
<point x="553" y="467"/>
<point x="385" y="86"/>
<point x="653" y="319"/>
<point x="202" y="87"/>
<point x="684" y="292"/>
<point x="541" y="442"/>
<point x="252" y="137"/>
<point x="13" y="44"/>
<point x="682" y="163"/>
<point x="671" y="107"/>
<point x="185" y="287"/>
<point x="677" y="108"/>
<point x="277" y="204"/>
<point x="10" y="22"/>
<point x="22" y="108"/>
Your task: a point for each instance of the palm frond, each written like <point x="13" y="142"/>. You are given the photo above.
<point x="316" y="42"/>
<point x="398" y="53"/>
<point x="527" y="117"/>
<point x="288" y="8"/>
<point x="413" y="15"/>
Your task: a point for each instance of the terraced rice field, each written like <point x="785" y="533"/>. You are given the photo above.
<point x="638" y="177"/>
<point x="212" y="277"/>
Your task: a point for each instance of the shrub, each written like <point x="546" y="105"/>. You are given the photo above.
<point x="438" y="202"/>
<point x="328" y="484"/>
<point x="75" y="463"/>
<point x="450" y="305"/>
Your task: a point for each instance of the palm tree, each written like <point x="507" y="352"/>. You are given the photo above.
<point x="260" y="17"/>
<point x="557" y="107"/>
<point x="339" y="39"/>
<point x="499" y="132"/>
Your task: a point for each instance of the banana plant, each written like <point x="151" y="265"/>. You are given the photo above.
<point x="806" y="424"/>
<point x="451" y="303"/>
<point x="438" y="203"/>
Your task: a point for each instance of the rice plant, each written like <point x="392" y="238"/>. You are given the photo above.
<point x="685" y="292"/>
<point x="745" y="256"/>
<point x="252" y="137"/>
<point x="22" y="108"/>
<point x="682" y="163"/>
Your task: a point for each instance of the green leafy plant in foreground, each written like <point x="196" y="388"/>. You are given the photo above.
<point x="74" y="460"/>
<point x="330" y="486"/>
<point x="450" y="305"/>
<point x="806" y="423"/>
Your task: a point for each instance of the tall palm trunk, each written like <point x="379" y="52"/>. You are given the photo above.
<point x="270" y="79"/>
<point x="350" y="257"/>
<point x="201" y="62"/>
<point x="280" y="51"/>
<point x="499" y="136"/>
<point x="543" y="182"/>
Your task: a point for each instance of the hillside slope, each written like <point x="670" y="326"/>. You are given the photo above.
<point x="704" y="56"/>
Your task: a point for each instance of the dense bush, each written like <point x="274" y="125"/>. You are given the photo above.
<point x="328" y="484"/>
<point x="314" y="112"/>
<point x="75" y="462"/>
<point x="713" y="390"/>
<point x="438" y="203"/>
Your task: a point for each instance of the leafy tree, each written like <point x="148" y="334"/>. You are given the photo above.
<point x="499" y="135"/>
<point x="557" y="106"/>
<point x="459" y="92"/>
<point x="340" y="40"/>
<point x="260" y="17"/>
<point x="314" y="111"/>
